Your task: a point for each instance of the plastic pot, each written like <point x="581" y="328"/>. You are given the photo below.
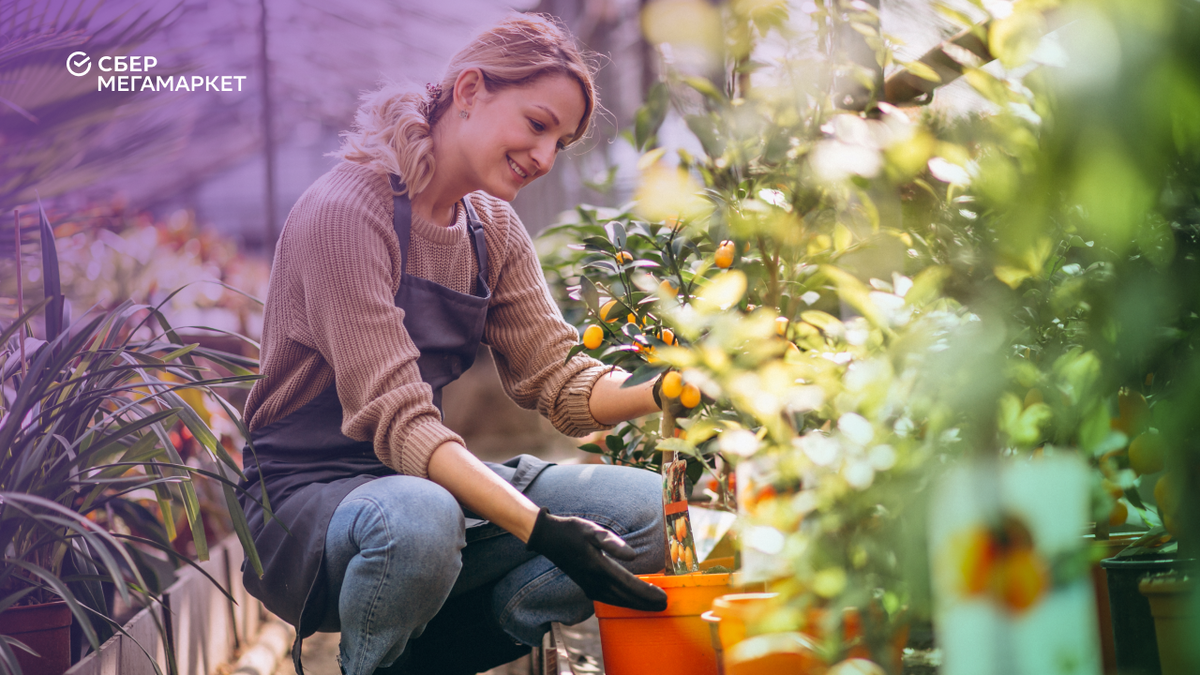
<point x="1133" y="625"/>
<point x="741" y="653"/>
<point x="1171" y="606"/>
<point x="774" y="654"/>
<point x="1108" y="548"/>
<point x="46" y="629"/>
<point x="735" y="611"/>
<point x="675" y="641"/>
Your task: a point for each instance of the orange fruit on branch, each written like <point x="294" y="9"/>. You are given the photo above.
<point x="1133" y="413"/>
<point x="1146" y="454"/>
<point x="1120" y="513"/>
<point x="672" y="385"/>
<point x="690" y="396"/>
<point x="606" y="309"/>
<point x="723" y="258"/>
<point x="593" y="336"/>
<point x="781" y="325"/>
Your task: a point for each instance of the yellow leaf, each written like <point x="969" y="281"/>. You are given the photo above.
<point x="724" y="292"/>
<point x="826" y="323"/>
<point x="650" y="158"/>
<point x="842" y="238"/>
<point x="1013" y="38"/>
<point x="926" y="285"/>
<point x="855" y="293"/>
<point x="1013" y="276"/>
<point x="923" y="71"/>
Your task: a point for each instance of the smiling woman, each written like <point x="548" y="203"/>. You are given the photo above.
<point x="390" y="272"/>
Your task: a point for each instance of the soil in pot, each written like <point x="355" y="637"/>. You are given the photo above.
<point x="675" y="641"/>
<point x="44" y="628"/>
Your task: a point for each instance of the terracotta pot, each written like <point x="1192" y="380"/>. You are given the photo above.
<point x="1174" y="616"/>
<point x="44" y="628"/>
<point x="675" y="641"/>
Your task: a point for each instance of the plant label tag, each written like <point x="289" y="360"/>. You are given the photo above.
<point x="1011" y="584"/>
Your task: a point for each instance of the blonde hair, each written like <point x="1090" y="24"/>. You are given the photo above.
<point x="391" y="128"/>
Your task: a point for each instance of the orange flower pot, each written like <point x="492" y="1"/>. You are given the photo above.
<point x="774" y="654"/>
<point x="736" y="610"/>
<point x="675" y="641"/>
<point x="743" y="654"/>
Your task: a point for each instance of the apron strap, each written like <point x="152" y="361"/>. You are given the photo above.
<point x="481" y="256"/>
<point x="402" y="223"/>
<point x="401" y="219"/>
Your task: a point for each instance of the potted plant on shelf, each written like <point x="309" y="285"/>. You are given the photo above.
<point x="86" y="460"/>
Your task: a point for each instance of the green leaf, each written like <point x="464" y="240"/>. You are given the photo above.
<point x="51" y="285"/>
<point x="616" y="233"/>
<point x="704" y="86"/>
<point x="614" y="442"/>
<point x="592" y="448"/>
<point x="573" y="351"/>
<point x="650" y="116"/>
<point x="679" y="445"/>
<point x="643" y="374"/>
<point x="606" y="265"/>
<point x="705" y="130"/>
<point x="591" y="296"/>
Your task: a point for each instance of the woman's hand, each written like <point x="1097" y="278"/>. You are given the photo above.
<point x="578" y="547"/>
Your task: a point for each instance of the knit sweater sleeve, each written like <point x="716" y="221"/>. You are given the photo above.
<point x="349" y="265"/>
<point x="530" y="338"/>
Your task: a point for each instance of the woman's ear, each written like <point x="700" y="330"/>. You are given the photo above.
<point x="468" y="88"/>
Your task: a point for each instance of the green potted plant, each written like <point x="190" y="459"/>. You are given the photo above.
<point x="84" y="434"/>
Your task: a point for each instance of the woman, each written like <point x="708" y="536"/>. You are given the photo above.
<point x="390" y="271"/>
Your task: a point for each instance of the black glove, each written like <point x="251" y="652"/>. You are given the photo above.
<point x="577" y="547"/>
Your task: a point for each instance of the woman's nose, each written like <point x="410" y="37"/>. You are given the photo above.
<point x="543" y="155"/>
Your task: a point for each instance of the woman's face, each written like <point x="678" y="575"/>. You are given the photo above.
<point x="513" y="135"/>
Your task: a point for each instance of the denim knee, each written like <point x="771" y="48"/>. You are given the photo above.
<point x="412" y="526"/>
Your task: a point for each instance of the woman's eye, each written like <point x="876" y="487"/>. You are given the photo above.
<point x="560" y="146"/>
<point x="537" y="126"/>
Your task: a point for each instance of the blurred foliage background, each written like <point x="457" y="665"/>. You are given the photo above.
<point x="868" y="289"/>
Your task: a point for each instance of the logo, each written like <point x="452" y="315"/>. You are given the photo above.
<point x="79" y="64"/>
<point x="139" y="79"/>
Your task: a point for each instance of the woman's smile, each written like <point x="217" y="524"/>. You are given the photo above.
<point x="520" y="173"/>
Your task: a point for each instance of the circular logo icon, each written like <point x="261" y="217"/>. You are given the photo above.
<point x="79" y="64"/>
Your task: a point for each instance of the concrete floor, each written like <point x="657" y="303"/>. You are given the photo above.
<point x="320" y="658"/>
<point x="582" y="641"/>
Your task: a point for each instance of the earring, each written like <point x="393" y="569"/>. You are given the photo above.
<point x="463" y="114"/>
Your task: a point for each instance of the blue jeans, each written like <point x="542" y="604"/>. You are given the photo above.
<point x="397" y="548"/>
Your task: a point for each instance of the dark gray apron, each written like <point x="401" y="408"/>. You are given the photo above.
<point x="307" y="466"/>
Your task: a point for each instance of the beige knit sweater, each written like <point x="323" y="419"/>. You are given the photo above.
<point x="331" y="318"/>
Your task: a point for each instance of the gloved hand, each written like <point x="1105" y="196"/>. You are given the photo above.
<point x="577" y="547"/>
